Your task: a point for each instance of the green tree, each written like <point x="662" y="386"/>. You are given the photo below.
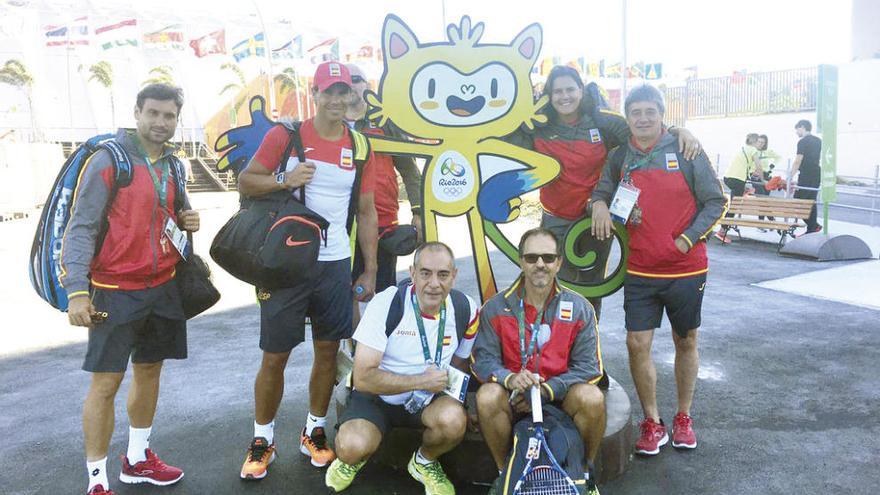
<point x="161" y="74"/>
<point x="289" y="81"/>
<point x="102" y="72"/>
<point x="236" y="86"/>
<point x="17" y="75"/>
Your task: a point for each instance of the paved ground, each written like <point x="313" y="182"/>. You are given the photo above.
<point x="786" y="403"/>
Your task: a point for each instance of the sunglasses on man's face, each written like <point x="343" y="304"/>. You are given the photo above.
<point x="357" y="79"/>
<point x="548" y="258"/>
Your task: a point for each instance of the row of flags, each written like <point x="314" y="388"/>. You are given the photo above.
<point x="598" y="68"/>
<point x="124" y="33"/>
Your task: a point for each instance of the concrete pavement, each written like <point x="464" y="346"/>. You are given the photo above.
<point x="786" y="402"/>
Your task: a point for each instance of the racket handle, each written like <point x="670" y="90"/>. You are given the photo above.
<point x="537" y="412"/>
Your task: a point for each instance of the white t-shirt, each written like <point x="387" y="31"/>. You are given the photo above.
<point x="329" y="192"/>
<point x="402" y="350"/>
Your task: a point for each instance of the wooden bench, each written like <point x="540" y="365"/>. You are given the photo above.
<point x="787" y="214"/>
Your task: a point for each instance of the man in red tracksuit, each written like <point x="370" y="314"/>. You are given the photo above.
<point x="538" y="326"/>
<point x="130" y="278"/>
<point x="676" y="205"/>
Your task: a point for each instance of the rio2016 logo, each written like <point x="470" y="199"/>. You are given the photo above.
<point x="449" y="167"/>
<point x="454" y="178"/>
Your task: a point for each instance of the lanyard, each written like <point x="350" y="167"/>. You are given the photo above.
<point x="637" y="164"/>
<point x="423" y="336"/>
<point x="525" y="354"/>
<point x="161" y="187"/>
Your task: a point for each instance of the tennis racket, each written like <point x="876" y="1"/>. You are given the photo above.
<point x="542" y="475"/>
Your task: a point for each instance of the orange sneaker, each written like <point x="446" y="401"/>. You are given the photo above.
<point x="259" y="455"/>
<point x="315" y="447"/>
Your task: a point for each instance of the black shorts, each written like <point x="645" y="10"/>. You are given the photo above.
<point x="386" y="264"/>
<point x="645" y="298"/>
<point x="146" y="325"/>
<point x="326" y="300"/>
<point x="372" y="408"/>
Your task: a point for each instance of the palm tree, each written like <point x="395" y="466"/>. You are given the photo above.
<point x="289" y="80"/>
<point x="102" y="72"/>
<point x="239" y="84"/>
<point x="16" y="74"/>
<point x="160" y="75"/>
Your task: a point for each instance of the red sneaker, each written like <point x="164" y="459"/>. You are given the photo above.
<point x="152" y="471"/>
<point x="683" y="436"/>
<point x="99" y="490"/>
<point x="653" y="437"/>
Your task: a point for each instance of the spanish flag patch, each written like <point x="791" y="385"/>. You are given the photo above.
<point x="566" y="308"/>
<point x="671" y="161"/>
<point x="346" y="160"/>
<point x="447" y="340"/>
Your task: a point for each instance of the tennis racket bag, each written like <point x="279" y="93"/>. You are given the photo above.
<point x="45" y="259"/>
<point x="563" y="439"/>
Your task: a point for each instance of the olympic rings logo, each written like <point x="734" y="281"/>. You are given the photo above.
<point x="452" y="191"/>
<point x="450" y="167"/>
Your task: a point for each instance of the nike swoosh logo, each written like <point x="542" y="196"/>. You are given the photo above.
<point x="307" y="149"/>
<point x="293" y="243"/>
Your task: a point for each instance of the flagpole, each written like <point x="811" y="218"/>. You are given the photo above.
<point x="69" y="94"/>
<point x="268" y="52"/>
<point x="623" y="67"/>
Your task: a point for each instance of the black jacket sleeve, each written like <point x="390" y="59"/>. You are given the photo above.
<point x="610" y="177"/>
<point x="708" y="194"/>
<point x="615" y="131"/>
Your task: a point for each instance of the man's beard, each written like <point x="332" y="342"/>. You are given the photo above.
<point x="541" y="283"/>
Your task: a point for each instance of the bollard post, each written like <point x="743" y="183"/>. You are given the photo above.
<point x="876" y="192"/>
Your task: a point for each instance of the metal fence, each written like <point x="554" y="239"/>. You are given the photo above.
<point x="739" y="95"/>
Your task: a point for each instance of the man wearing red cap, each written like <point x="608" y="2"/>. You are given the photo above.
<point x="329" y="177"/>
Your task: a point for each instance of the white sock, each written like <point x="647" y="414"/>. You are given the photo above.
<point x="421" y="459"/>
<point x="266" y="431"/>
<point x="313" y="422"/>
<point x="97" y="473"/>
<point x="138" y="441"/>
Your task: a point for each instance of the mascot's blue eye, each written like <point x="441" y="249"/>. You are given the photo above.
<point x="432" y="88"/>
<point x="494" y="88"/>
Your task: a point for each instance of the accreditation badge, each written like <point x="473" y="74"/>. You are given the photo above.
<point x="456" y="386"/>
<point x="176" y="236"/>
<point x="595" y="137"/>
<point x="624" y="201"/>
